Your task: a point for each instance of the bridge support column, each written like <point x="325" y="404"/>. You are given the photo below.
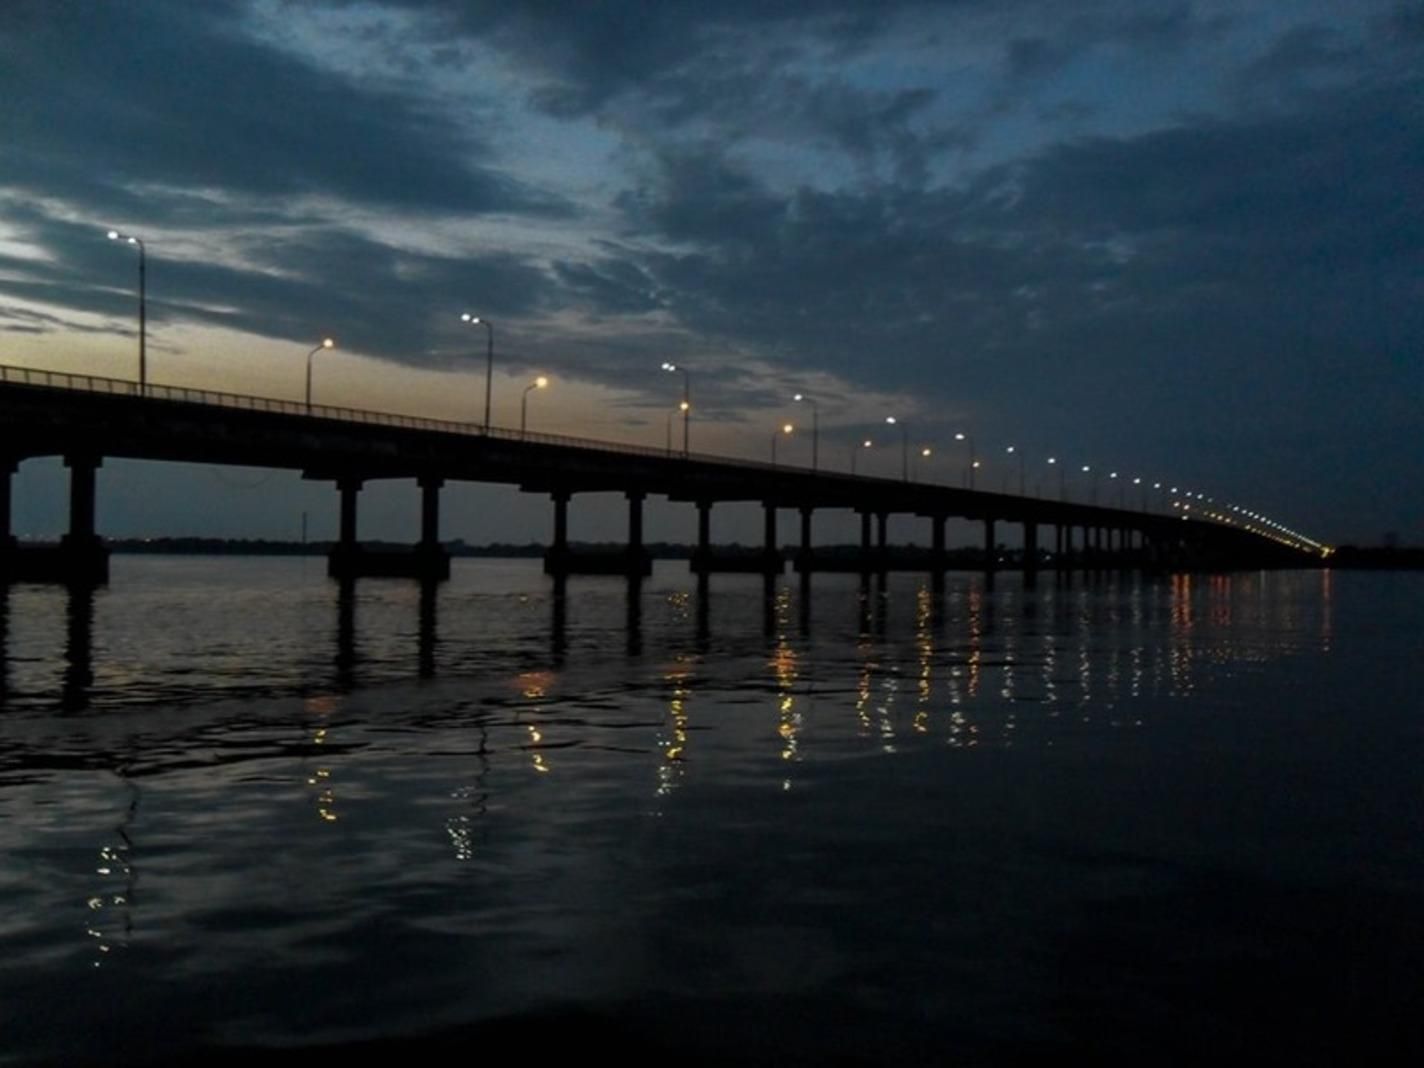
<point x="702" y="555"/>
<point x="1088" y="554"/>
<point x="803" y="554"/>
<point x="433" y="562"/>
<point x="771" y="551"/>
<point x="1030" y="547"/>
<point x="344" y="559"/>
<point x="349" y="488"/>
<point x="937" y="561"/>
<point x="83" y="559"/>
<point x="638" y="563"/>
<point x="556" y="560"/>
<point x="1058" y="545"/>
<point x="990" y="563"/>
<point x="882" y="550"/>
<point x="866" y="565"/>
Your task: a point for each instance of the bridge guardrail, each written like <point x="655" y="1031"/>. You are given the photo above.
<point x="123" y="387"/>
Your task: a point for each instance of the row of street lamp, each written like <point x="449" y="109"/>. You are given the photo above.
<point x="1205" y="505"/>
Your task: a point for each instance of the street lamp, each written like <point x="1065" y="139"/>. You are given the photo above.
<point x="1086" y="470"/>
<point x="114" y="235"/>
<point x="538" y="383"/>
<point x="475" y="320"/>
<point x="1062" y="478"/>
<point x="855" y="451"/>
<point x="815" y="427"/>
<point x="1011" y="450"/>
<point x="686" y="405"/>
<point x="925" y="454"/>
<point x="904" y="447"/>
<point x="326" y="343"/>
<point x="973" y="463"/>
<point x="1113" y="475"/>
<point x="786" y="428"/>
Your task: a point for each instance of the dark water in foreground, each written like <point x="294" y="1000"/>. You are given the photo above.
<point x="1127" y="818"/>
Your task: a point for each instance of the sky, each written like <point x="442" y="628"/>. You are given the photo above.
<point x="1179" y="240"/>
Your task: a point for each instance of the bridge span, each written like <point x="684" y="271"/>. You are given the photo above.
<point x="86" y="419"/>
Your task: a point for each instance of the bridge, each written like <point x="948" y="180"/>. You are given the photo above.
<point x="86" y="419"/>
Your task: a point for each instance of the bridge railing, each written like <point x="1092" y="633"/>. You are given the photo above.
<point x="124" y="387"/>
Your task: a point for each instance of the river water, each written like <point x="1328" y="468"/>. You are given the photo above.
<point x="244" y="812"/>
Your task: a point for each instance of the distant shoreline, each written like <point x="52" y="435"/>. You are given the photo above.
<point x="1345" y="557"/>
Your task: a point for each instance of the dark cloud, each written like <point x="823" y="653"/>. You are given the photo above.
<point x="1235" y="279"/>
<point x="103" y="100"/>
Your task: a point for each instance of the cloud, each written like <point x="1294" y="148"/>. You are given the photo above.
<point x="103" y="100"/>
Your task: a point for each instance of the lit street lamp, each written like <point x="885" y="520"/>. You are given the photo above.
<point x="968" y="439"/>
<point x="925" y="454"/>
<point x="904" y="447"/>
<point x="1062" y="478"/>
<point x="855" y="451"/>
<point x="1086" y="470"/>
<point x="326" y="343"/>
<point x="815" y="427"/>
<point x="538" y="383"/>
<point x="1011" y="450"/>
<point x="475" y="320"/>
<point x="1120" y="488"/>
<point x="114" y="235"/>
<point x="686" y="405"/>
<point x="786" y="428"/>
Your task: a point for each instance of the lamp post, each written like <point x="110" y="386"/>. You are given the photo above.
<point x="326" y="343"/>
<point x="1087" y="469"/>
<point x="1011" y="451"/>
<point x="855" y="451"/>
<point x="1138" y="482"/>
<point x="538" y="383"/>
<point x="1062" y="478"/>
<point x="114" y="235"/>
<point x="925" y="453"/>
<point x="476" y="320"/>
<point x="904" y="447"/>
<point x="786" y="428"/>
<point x="1113" y="475"/>
<point x="686" y="404"/>
<point x="815" y="428"/>
<point x="968" y="439"/>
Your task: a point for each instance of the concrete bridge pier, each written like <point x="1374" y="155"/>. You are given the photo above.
<point x="804" y="556"/>
<point x="1030" y="550"/>
<point x="882" y="549"/>
<point x="556" y="560"/>
<point x="866" y="552"/>
<point x="82" y="557"/>
<point x="772" y="563"/>
<point x="637" y="562"/>
<point x="349" y="559"/>
<point x="344" y="560"/>
<point x="702" y="555"/>
<point x="433" y="561"/>
<point x="990" y="561"/>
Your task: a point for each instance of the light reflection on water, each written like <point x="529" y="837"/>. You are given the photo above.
<point x="223" y="782"/>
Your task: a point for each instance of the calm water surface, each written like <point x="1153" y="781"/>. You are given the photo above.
<point x="1136" y="819"/>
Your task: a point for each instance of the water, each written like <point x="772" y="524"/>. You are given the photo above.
<point x="1123" y="818"/>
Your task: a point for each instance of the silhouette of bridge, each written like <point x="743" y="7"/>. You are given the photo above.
<point x="86" y="419"/>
